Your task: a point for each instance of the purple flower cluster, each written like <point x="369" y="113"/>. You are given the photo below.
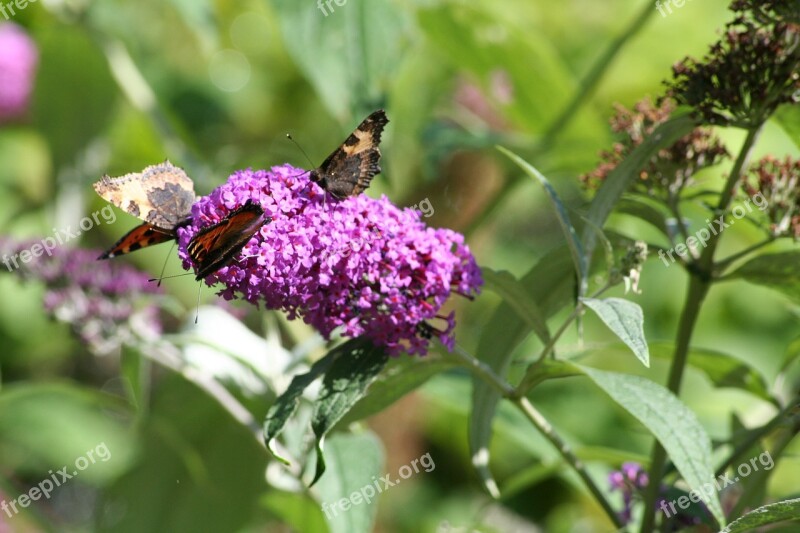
<point x="102" y="301"/>
<point x="18" y="60"/>
<point x="630" y="480"/>
<point x="360" y="264"/>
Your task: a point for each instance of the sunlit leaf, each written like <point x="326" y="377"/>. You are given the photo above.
<point x="355" y="463"/>
<point x="626" y="320"/>
<point x="768" y="514"/>
<point x="356" y="365"/>
<point x="674" y="425"/>
<point x="777" y="271"/>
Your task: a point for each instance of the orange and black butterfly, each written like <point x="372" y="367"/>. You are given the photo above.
<point x="350" y="168"/>
<point x="162" y="195"/>
<point x="214" y="246"/>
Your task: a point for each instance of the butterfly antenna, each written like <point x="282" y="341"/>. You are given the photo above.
<point x="163" y="268"/>
<point x="197" y="307"/>
<point x="288" y="136"/>
<point x="170" y="277"/>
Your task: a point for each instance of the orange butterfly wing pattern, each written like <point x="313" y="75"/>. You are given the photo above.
<point x="216" y="245"/>
<point x="139" y="237"/>
<point x="162" y="195"/>
<point x="349" y="170"/>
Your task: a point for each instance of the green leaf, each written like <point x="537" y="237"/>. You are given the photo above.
<point x="574" y="243"/>
<point x="623" y="175"/>
<point x="626" y="320"/>
<point x="35" y="416"/>
<point x="347" y="52"/>
<point x="514" y="293"/>
<point x="287" y="403"/>
<point x="768" y="514"/>
<point x="402" y="375"/>
<point x="210" y="468"/>
<point x="356" y="365"/>
<point x="356" y="461"/>
<point x="791" y="354"/>
<point x="788" y="116"/>
<point x="674" y="425"/>
<point x="551" y="284"/>
<point x="643" y="211"/>
<point x="61" y="81"/>
<point x="722" y="369"/>
<point x="466" y="35"/>
<point x="778" y="271"/>
<point x="297" y="511"/>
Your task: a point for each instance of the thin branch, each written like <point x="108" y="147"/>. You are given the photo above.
<point x="530" y="374"/>
<point x="482" y="371"/>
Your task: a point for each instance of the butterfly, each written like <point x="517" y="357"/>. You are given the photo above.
<point x="162" y="195"/>
<point x="214" y="246"/>
<point x="350" y="168"/>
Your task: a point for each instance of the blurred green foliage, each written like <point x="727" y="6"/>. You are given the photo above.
<point x="214" y="87"/>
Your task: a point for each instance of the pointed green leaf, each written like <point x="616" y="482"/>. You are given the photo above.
<point x="514" y="294"/>
<point x="788" y="116"/>
<point x="287" y="403"/>
<point x="778" y="271"/>
<point x="402" y="375"/>
<point x="574" y="243"/>
<point x="551" y="284"/>
<point x="210" y="466"/>
<point x="768" y="514"/>
<point x="348" y="53"/>
<point x="356" y="365"/>
<point x="626" y="320"/>
<point x="674" y="425"/>
<point x="621" y="177"/>
<point x="356" y="461"/>
<point x="722" y="369"/>
<point x="642" y="210"/>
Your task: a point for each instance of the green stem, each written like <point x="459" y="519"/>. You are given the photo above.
<point x="699" y="284"/>
<point x="546" y="429"/>
<point x="759" y="479"/>
<point x="757" y="435"/>
<point x="676" y="212"/>
<point x="531" y="372"/>
<point x="592" y="79"/>
<point x="482" y="371"/>
<point x="725" y="263"/>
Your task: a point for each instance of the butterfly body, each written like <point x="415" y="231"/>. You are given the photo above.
<point x="216" y="245"/>
<point x="161" y="195"/>
<point x="349" y="170"/>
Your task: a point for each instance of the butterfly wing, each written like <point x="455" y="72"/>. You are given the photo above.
<point x="141" y="236"/>
<point x="161" y="195"/>
<point x="349" y="170"/>
<point x="213" y="247"/>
